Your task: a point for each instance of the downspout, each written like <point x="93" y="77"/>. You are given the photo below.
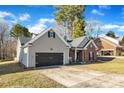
<point x="75" y="55"/>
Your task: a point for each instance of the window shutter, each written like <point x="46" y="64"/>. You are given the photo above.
<point x="53" y="34"/>
<point x="49" y="34"/>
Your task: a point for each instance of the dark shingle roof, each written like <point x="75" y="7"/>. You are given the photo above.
<point x="80" y="42"/>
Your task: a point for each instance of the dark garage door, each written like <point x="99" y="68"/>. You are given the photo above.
<point x="48" y="59"/>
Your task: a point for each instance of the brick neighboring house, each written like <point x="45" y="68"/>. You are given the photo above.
<point x="83" y="49"/>
<point x="109" y="46"/>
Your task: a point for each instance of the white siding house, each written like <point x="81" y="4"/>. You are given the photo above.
<point x="51" y="48"/>
<point x="43" y="44"/>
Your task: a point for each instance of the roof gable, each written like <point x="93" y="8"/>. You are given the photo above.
<point x="43" y="33"/>
<point x="112" y="41"/>
<point x="91" y="41"/>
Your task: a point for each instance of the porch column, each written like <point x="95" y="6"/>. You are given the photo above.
<point x="75" y="54"/>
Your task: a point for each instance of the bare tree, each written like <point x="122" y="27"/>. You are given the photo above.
<point x="3" y="29"/>
<point x="93" y="28"/>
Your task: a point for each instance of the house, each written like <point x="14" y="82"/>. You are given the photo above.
<point x="51" y="47"/>
<point x="83" y="50"/>
<point x="109" y="46"/>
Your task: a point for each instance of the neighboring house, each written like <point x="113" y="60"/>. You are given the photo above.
<point x="53" y="47"/>
<point x="109" y="46"/>
<point x="83" y="50"/>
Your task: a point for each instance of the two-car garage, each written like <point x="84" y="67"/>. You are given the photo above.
<point x="47" y="49"/>
<point x="48" y="59"/>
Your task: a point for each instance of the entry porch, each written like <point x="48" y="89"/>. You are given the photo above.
<point x="80" y="55"/>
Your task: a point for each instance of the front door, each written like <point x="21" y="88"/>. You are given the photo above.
<point x="79" y="56"/>
<point x="91" y="56"/>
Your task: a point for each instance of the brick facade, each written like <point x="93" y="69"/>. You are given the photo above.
<point x="86" y="53"/>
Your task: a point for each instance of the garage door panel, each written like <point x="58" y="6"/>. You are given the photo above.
<point x="47" y="59"/>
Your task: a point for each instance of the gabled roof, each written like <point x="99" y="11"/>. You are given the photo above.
<point x="78" y="42"/>
<point x="91" y="41"/>
<point x="81" y="40"/>
<point x="42" y="33"/>
<point x="111" y="40"/>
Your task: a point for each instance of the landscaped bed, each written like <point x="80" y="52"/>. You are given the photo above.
<point x="13" y="75"/>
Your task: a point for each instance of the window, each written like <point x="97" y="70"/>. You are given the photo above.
<point x="51" y="34"/>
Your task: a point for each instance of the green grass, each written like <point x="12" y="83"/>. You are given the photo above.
<point x="13" y="75"/>
<point x="114" y="66"/>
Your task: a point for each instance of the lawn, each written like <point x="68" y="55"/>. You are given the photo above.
<point x="13" y="75"/>
<point x="113" y="66"/>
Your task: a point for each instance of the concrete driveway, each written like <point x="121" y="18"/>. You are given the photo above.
<point x="77" y="77"/>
